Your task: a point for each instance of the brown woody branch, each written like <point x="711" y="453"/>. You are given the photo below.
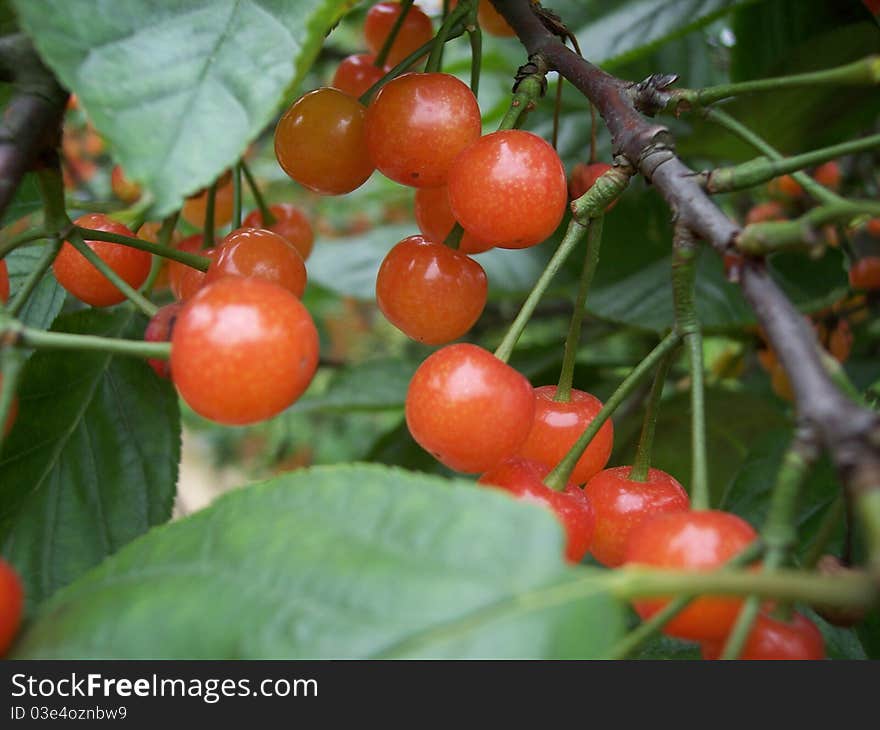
<point x="850" y="432"/>
<point x="32" y="118"/>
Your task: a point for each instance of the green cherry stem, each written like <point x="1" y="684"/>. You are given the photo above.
<point x="28" y="236"/>
<point x="779" y="532"/>
<point x="33" y="279"/>
<point x="817" y="191"/>
<point x="642" y="463"/>
<point x="559" y="476"/>
<point x="268" y="218"/>
<point x="591" y="261"/>
<point x="864" y="72"/>
<point x="382" y="55"/>
<point x="654" y="625"/>
<point x="11" y="364"/>
<point x="528" y="91"/>
<point x="763" y="169"/>
<point x="475" y="37"/>
<point x="166" y="230"/>
<point x="76" y="240"/>
<point x="435" y="60"/>
<point x="687" y="324"/>
<point x="208" y="234"/>
<point x="190" y="259"/>
<point x="573" y="235"/>
<point x="29" y="337"/>
<point x="236" y="196"/>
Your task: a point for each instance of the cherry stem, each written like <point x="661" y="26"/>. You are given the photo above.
<point x="208" y="234"/>
<point x="528" y="91"/>
<point x="817" y="191"/>
<point x="34" y="278"/>
<point x="265" y="212"/>
<point x="475" y="36"/>
<point x="559" y="476"/>
<point x="687" y="324"/>
<point x="11" y="364"/>
<point x="557" y="106"/>
<point x="829" y="525"/>
<point x="28" y="337"/>
<point x="763" y="169"/>
<point x="76" y="240"/>
<point x="33" y="234"/>
<point x="642" y="463"/>
<point x="382" y="56"/>
<point x="164" y="241"/>
<point x="435" y="60"/>
<point x="236" y="196"/>
<point x="573" y="235"/>
<point x="647" y="629"/>
<point x="863" y="72"/>
<point x="779" y="532"/>
<point x="190" y="259"/>
<point x="591" y="261"/>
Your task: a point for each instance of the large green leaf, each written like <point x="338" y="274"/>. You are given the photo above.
<point x="25" y="201"/>
<point x="92" y="460"/>
<point x="623" y="31"/>
<point x="47" y="298"/>
<point x="374" y="385"/>
<point x="358" y="561"/>
<point x="178" y="87"/>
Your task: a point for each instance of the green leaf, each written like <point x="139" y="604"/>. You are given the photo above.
<point x="374" y="385"/>
<point x="25" y="201"/>
<point x="92" y="460"/>
<point x="353" y="562"/>
<point x="629" y="30"/>
<point x="47" y="298"/>
<point x="180" y="87"/>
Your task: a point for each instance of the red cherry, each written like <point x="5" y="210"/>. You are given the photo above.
<point x="873" y="6"/>
<point x="429" y="291"/>
<point x="829" y="174"/>
<point x="763" y="212"/>
<point x="184" y="280"/>
<point x="492" y="21"/>
<point x="435" y="220"/>
<point x="508" y="187"/>
<point x="159" y="329"/>
<point x="584" y="176"/>
<point x="195" y="206"/>
<point x="356" y="74"/>
<point x="701" y="540"/>
<point x="525" y="479"/>
<point x="621" y="505"/>
<point x="417" y="125"/>
<point x="865" y="273"/>
<point x="84" y="281"/>
<point x="873" y="225"/>
<point x="243" y="350"/>
<point x="468" y="409"/>
<point x="414" y="33"/>
<point x="558" y="425"/>
<point x="319" y="142"/>
<point x="262" y="254"/>
<point x="771" y="638"/>
<point x="4" y="282"/>
<point x="785" y="187"/>
<point x="290" y="223"/>
<point x="11" y="605"/>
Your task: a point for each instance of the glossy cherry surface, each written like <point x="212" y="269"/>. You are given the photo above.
<point x="319" y="142"/>
<point x="558" y="425"/>
<point x="183" y="280"/>
<point x="356" y="74"/>
<point x="159" y="329"/>
<point x="74" y="272"/>
<point x="621" y="505"/>
<point x="508" y="187"/>
<point x="772" y="639"/>
<point x="290" y="223"/>
<point x="524" y="479"/>
<point x="417" y="124"/>
<point x="429" y="291"/>
<point x="468" y="409"/>
<point x="435" y="220"/>
<point x="243" y="350"/>
<point x="262" y="254"/>
<point x="701" y="540"/>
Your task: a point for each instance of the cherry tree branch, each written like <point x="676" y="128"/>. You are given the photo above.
<point x="849" y="432"/>
<point x="32" y="118"/>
